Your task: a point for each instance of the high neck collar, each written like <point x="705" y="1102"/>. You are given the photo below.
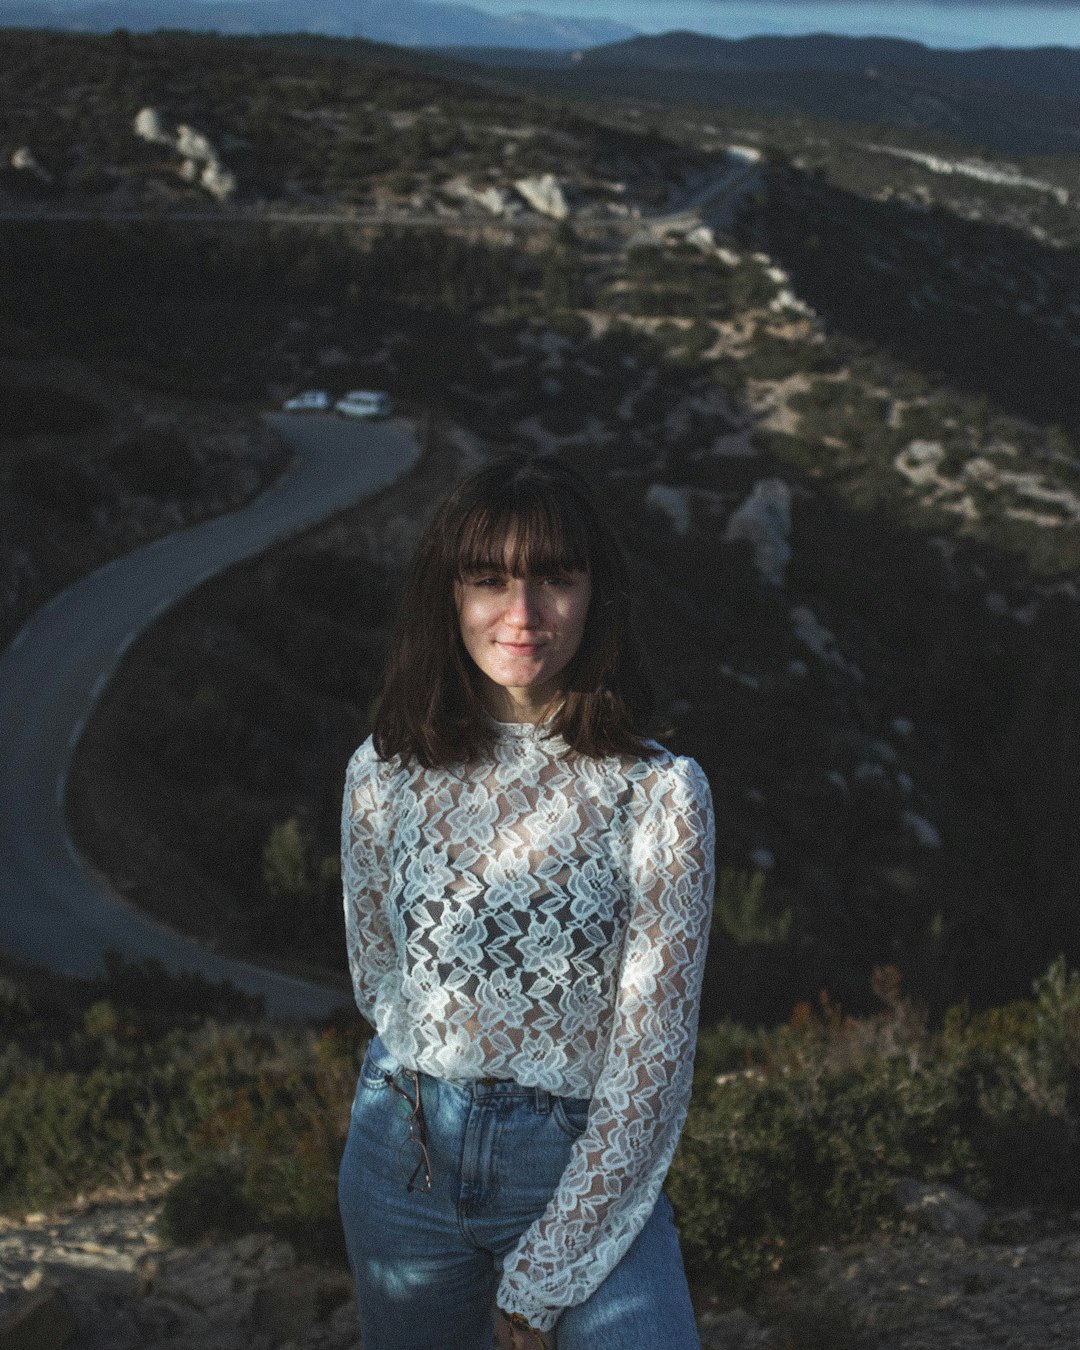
<point x="520" y="731"/>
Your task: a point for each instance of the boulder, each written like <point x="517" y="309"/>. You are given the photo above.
<point x="491" y="198"/>
<point x="786" y="299"/>
<point x="924" y="831"/>
<point x="703" y="238"/>
<point x="193" y="144"/>
<point x="674" y="502"/>
<point x="148" y="126"/>
<point x="25" y="160"/>
<point x="544" y="194"/>
<point x="219" y="181"/>
<point x="809" y="630"/>
<point x="919" y="461"/>
<point x="941" y="1208"/>
<point x="287" y="1305"/>
<point x="764" y="518"/>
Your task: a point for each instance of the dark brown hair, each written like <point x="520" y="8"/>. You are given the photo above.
<point x="431" y="709"/>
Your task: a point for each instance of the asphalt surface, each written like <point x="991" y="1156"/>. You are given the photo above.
<point x="53" y="911"/>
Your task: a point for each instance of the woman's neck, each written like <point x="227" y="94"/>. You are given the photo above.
<point x="501" y="704"/>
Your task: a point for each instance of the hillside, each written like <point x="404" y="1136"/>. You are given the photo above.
<point x="831" y="409"/>
<point x="285" y="124"/>
<point x="1007" y="101"/>
<point x="406" y="22"/>
<point x="1051" y="71"/>
<point x="822" y="375"/>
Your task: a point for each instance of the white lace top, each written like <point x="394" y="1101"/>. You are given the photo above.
<point x="542" y="919"/>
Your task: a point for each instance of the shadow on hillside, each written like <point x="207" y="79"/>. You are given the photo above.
<point x="982" y="304"/>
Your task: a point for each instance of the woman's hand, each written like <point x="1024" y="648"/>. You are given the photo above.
<point x="511" y="1337"/>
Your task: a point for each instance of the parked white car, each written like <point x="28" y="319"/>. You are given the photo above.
<point x="365" y="403"/>
<point x="312" y="400"/>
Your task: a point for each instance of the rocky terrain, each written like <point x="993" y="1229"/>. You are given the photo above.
<point x="853" y="515"/>
<point x="813" y="357"/>
<point x="95" y="1275"/>
<point x="187" y="122"/>
<point x="834" y="413"/>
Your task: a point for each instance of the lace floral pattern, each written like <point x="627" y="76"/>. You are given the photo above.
<point x="544" y="919"/>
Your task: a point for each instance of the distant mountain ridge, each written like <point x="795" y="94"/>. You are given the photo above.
<point x="1006" y="101"/>
<point x="1049" y="71"/>
<point x="407" y="23"/>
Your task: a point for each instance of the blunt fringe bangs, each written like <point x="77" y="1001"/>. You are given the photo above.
<point x="535" y="516"/>
<point x="541" y="537"/>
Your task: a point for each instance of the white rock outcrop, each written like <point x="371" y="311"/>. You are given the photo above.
<point x="786" y="300"/>
<point x="765" y="520"/>
<point x="703" y="238"/>
<point x="194" y="145"/>
<point x="148" y="126"/>
<point x="810" y="631"/>
<point x="674" y="502"/>
<point x="924" y="831"/>
<point x="201" y="161"/>
<point x="492" y="198"/>
<point x="219" y="181"/>
<point x="544" y="194"/>
<point x="1002" y="175"/>
<point x="919" y="461"/>
<point x="25" y="160"/>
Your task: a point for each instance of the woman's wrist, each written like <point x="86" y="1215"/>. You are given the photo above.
<point x="519" y="1322"/>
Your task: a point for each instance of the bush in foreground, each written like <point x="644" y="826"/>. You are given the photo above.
<point x="795" y="1136"/>
<point x="806" y="1141"/>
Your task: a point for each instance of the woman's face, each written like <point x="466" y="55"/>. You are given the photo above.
<point x="521" y="633"/>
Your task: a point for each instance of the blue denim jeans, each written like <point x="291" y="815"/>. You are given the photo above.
<point x="427" y="1265"/>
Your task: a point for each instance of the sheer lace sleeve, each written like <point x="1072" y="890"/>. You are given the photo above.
<point x="618" y="1165"/>
<point x="364" y="876"/>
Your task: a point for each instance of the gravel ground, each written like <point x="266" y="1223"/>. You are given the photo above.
<point x="96" y="1277"/>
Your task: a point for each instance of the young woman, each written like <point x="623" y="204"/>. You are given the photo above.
<point x="528" y="887"/>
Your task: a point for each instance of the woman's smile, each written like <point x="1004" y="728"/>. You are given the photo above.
<point x="521" y="633"/>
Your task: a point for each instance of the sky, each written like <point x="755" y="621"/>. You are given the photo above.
<point x="938" y="23"/>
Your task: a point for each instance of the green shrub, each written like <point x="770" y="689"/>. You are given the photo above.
<point x="286" y="863"/>
<point x="807" y="1141"/>
<point x="773" y="1164"/>
<point x="775" y="358"/>
<point x="794" y="1135"/>
<point x="208" y="1198"/>
<point x="740" y="910"/>
<point x="63" y="1130"/>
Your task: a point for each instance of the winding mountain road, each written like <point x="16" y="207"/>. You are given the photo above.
<point x="53" y="911"/>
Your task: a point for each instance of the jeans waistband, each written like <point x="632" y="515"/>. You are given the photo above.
<point x="481" y="1089"/>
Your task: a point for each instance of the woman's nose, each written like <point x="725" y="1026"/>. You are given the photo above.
<point x="524" y="603"/>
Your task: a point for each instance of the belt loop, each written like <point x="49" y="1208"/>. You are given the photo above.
<point x="543" y="1100"/>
